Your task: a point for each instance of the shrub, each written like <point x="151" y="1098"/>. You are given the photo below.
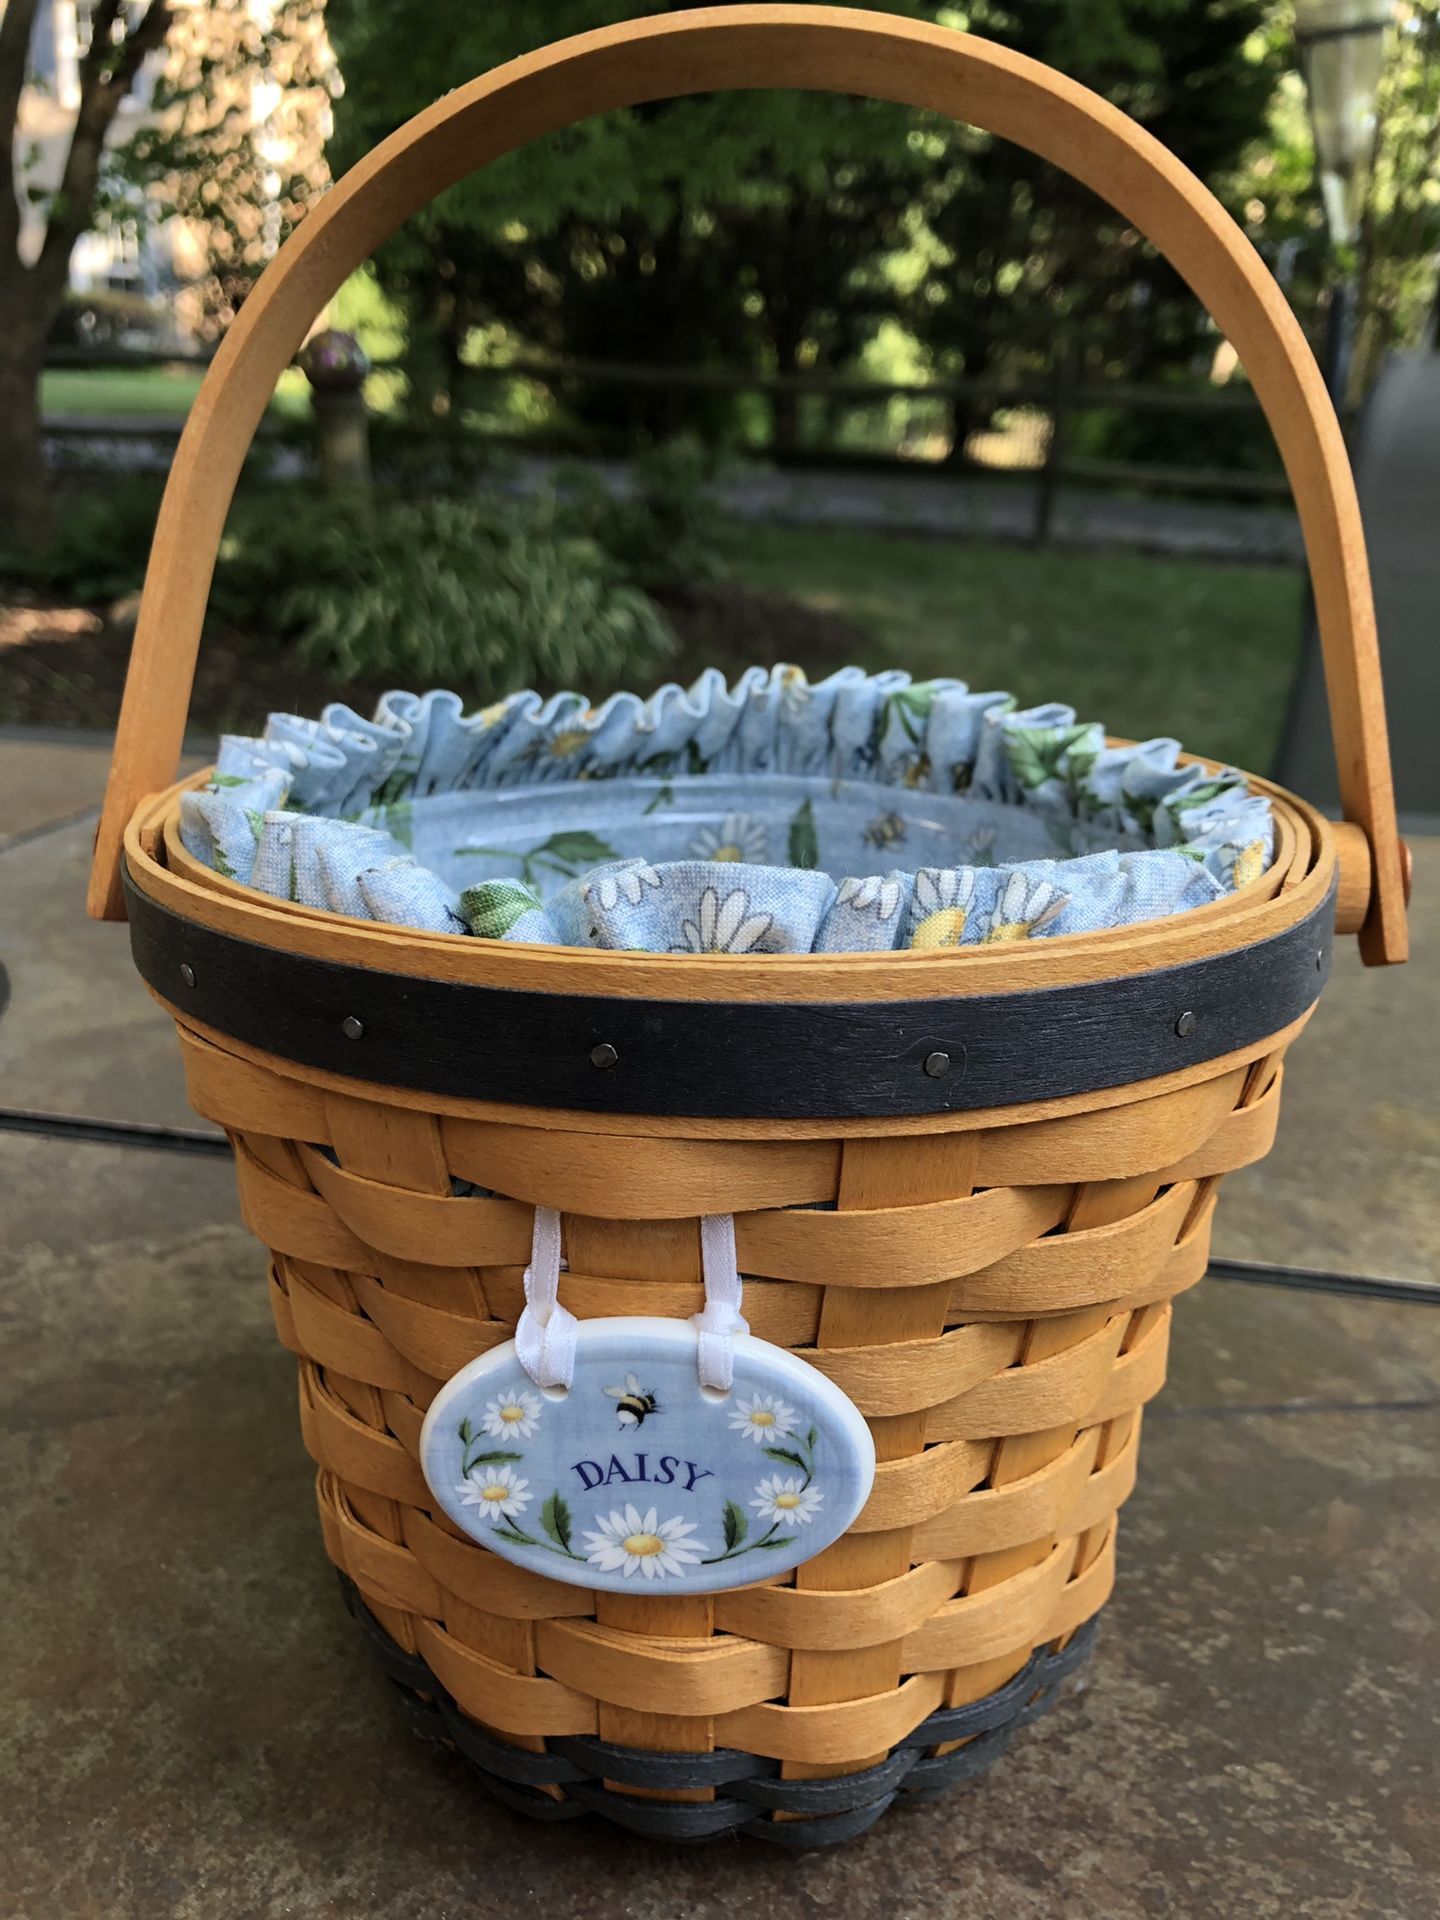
<point x="98" y="545"/>
<point x="470" y="587"/>
<point x="665" y="532"/>
<point x="469" y="591"/>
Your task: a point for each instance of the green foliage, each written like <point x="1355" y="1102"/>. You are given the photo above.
<point x="663" y="533"/>
<point x="96" y="549"/>
<point x="782" y="231"/>
<point x="555" y="1518"/>
<point x="194" y="155"/>
<point x="804" y="846"/>
<point x="478" y="593"/>
<point x="1394" y="260"/>
<point x="1229" y="440"/>
<point x="491" y="909"/>
<point x="482" y="593"/>
<point x="1023" y="257"/>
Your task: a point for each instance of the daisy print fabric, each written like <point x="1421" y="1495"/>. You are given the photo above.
<point x="861" y="812"/>
<point x="636" y="1478"/>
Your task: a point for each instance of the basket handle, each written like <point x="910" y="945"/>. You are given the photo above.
<point x="819" y="49"/>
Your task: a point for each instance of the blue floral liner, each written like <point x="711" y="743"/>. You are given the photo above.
<point x="772" y="816"/>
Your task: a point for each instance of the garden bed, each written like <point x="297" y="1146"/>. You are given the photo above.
<point x="64" y="666"/>
<point x="1155" y="646"/>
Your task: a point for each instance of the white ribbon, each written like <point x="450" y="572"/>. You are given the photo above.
<point x="545" y="1333"/>
<point x="721" y="1318"/>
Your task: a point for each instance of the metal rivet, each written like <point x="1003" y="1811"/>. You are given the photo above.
<point x="936" y="1065"/>
<point x="352" y="1028"/>
<point x="604" y="1055"/>
<point x="1185" y="1025"/>
<point x="1320" y="961"/>
<point x="187" y="973"/>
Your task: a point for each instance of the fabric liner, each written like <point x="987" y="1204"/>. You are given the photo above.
<point x="772" y="815"/>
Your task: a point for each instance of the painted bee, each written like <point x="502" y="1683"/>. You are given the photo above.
<point x="886" y="830"/>
<point x="635" y="1402"/>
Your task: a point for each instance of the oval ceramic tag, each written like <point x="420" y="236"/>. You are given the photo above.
<point x="638" y="1479"/>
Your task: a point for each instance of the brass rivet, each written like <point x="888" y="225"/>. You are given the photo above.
<point x="936" y="1065"/>
<point x="604" y="1055"/>
<point x="187" y="973"/>
<point x="1185" y="1025"/>
<point x="352" y="1028"/>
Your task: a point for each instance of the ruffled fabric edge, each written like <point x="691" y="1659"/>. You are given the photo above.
<point x="318" y="811"/>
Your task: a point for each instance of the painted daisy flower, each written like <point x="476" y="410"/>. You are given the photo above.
<point x="794" y="689"/>
<point x="513" y="1416"/>
<point x="498" y="1492"/>
<point x="1023" y="908"/>
<point x="764" y="1416"/>
<point x="1249" y="864"/>
<point x="738" y="837"/>
<point x="621" y="883"/>
<point x="633" y="1542"/>
<point x="788" y="1502"/>
<point x="881" y="894"/>
<point x="941" y="906"/>
<point x="726" y="926"/>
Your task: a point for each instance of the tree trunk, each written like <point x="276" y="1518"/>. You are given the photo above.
<point x="24" y="481"/>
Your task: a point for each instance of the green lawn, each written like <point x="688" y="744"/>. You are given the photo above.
<point x="142" y="391"/>
<point x="1149" y="646"/>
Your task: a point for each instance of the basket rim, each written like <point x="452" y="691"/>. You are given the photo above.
<point x="316" y="1083"/>
<point x="738" y="1057"/>
<point x="1281" y="897"/>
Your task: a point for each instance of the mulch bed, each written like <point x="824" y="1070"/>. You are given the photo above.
<point x="64" y="666"/>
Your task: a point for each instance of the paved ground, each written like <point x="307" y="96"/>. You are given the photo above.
<point x="968" y="506"/>
<point x="194" y="1732"/>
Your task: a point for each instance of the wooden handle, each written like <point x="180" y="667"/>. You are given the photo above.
<point x="819" y="49"/>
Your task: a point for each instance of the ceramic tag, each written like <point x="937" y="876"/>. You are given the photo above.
<point x="637" y="1478"/>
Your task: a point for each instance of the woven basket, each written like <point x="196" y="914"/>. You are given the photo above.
<point x="983" y="1258"/>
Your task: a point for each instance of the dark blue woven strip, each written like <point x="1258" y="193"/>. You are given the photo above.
<point x="831" y="1810"/>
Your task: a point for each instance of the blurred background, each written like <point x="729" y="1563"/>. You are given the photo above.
<point x="719" y="381"/>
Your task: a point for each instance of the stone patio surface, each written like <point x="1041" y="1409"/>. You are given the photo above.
<point x="195" y="1731"/>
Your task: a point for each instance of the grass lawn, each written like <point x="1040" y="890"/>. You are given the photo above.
<point x="1149" y="646"/>
<point x="140" y="391"/>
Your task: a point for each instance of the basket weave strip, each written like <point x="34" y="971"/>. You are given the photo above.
<point x="995" y="1299"/>
<point x="749" y="1792"/>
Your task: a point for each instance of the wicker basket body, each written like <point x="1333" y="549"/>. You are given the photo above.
<point x="990" y="1285"/>
<point x="984" y="1260"/>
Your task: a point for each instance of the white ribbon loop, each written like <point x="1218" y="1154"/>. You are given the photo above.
<point x="545" y="1333"/>
<point x="721" y="1318"/>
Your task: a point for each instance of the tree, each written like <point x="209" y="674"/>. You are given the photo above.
<point x="1396" y="253"/>
<point x="1030" y="263"/>
<point x="722" y="229"/>
<point x="776" y="232"/>
<point x="231" y="145"/>
<point x="234" y="143"/>
<point x="31" y="291"/>
<point x="1399" y="243"/>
